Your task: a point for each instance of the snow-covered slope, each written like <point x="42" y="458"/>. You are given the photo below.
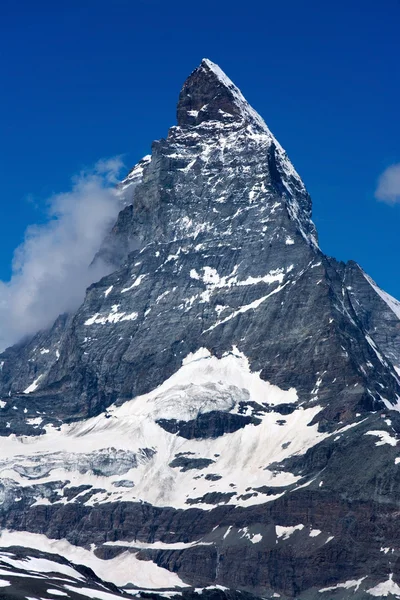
<point x="132" y="453"/>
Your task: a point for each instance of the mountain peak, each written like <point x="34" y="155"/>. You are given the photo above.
<point x="209" y="95"/>
<point x="206" y="63"/>
<point x="213" y="398"/>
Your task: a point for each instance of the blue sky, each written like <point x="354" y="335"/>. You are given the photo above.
<point x="86" y="80"/>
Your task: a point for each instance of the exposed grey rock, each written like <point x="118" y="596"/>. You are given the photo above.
<point x="212" y="498"/>
<point x="186" y="463"/>
<point x="127" y="483"/>
<point x="208" y="425"/>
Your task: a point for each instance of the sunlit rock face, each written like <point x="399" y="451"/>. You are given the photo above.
<point x="221" y="415"/>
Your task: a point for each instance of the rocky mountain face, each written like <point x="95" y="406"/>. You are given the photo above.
<point x="221" y="415"/>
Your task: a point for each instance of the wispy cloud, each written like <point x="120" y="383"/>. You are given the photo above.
<point x="51" y="269"/>
<point x="388" y="189"/>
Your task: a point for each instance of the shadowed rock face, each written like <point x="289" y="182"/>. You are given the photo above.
<point x="224" y="405"/>
<point x="206" y="96"/>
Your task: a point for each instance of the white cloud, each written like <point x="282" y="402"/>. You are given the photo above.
<point x="51" y="269"/>
<point x="388" y="189"/>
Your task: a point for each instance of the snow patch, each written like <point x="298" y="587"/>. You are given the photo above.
<point x="286" y="532"/>
<point x="385" y="438"/>
<point x="352" y="583"/>
<point x="254" y="538"/>
<point x="90" y="593"/>
<point x="31" y="388"/>
<point x="113" y="317"/>
<point x="34" y="421"/>
<point x="315" y="532"/>
<point x="38" y="565"/>
<point x="384" y="589"/>
<point x="392" y="303"/>
<point x="213" y="280"/>
<point x="121" y="570"/>
<point x="136" y="283"/>
<point x="243" y="309"/>
<point x="157" y="545"/>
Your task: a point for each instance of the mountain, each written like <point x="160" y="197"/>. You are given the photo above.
<point x="220" y="418"/>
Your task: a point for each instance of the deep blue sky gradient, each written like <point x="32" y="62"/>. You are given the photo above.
<point x="90" y="79"/>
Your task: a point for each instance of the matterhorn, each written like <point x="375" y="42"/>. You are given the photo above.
<point x="220" y="417"/>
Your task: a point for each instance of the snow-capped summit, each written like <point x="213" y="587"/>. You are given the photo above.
<point x="221" y="415"/>
<point x="213" y="112"/>
<point x="208" y="94"/>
